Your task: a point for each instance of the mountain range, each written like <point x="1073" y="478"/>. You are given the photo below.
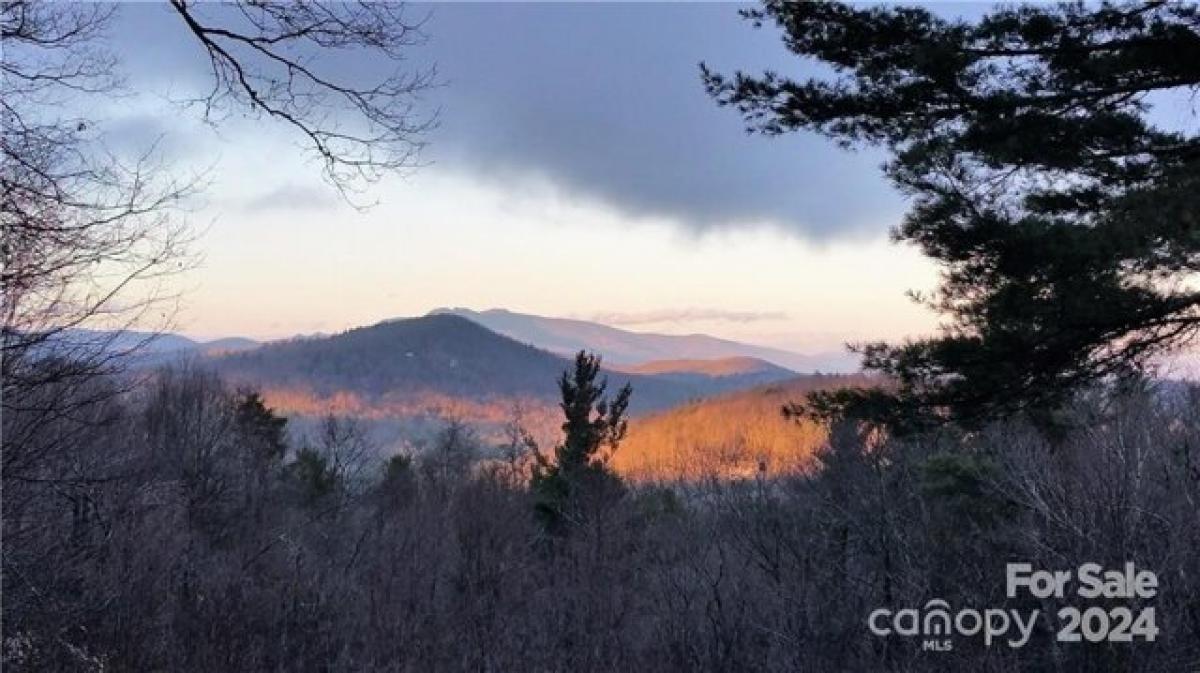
<point x="625" y="347"/>
<point x="448" y="355"/>
<point x="463" y="363"/>
<point x="406" y="376"/>
<point x="144" y="347"/>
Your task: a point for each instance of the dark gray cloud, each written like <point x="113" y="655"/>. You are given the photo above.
<point x="605" y="101"/>
<point x="685" y="315"/>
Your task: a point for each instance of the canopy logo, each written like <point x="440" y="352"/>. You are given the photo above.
<point x="936" y="624"/>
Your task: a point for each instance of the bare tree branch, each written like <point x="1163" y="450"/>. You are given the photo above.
<point x="260" y="54"/>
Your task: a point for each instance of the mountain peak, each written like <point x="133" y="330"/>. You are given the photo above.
<point x="465" y="312"/>
<point x="443" y="354"/>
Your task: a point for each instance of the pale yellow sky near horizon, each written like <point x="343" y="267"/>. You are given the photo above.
<point x="280" y="254"/>
<point x="308" y="263"/>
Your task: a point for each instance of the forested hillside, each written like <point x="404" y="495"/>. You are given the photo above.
<point x="737" y="435"/>
<point x="184" y="531"/>
<point x="443" y="354"/>
<point x="438" y="356"/>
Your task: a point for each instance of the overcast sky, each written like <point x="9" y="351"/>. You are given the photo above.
<point x="578" y="169"/>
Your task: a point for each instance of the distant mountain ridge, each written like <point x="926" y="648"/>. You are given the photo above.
<point x="623" y="347"/>
<point x="449" y="354"/>
<point x="401" y="366"/>
<point x="440" y="354"/>
<point x="144" y="345"/>
<point x="733" y="366"/>
<point x="720" y="375"/>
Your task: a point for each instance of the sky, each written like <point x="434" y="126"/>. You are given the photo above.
<point x="577" y="169"/>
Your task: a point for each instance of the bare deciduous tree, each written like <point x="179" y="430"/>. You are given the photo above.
<point x="87" y="234"/>
<point x="90" y="238"/>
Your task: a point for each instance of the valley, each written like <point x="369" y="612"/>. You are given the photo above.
<point x="406" y="379"/>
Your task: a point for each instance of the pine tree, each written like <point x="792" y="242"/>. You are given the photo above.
<point x="1064" y="215"/>
<point x="262" y="432"/>
<point x="579" y="478"/>
<point x="261" y="436"/>
<point x="311" y="477"/>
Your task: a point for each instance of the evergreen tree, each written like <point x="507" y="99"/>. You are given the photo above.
<point x="261" y="436"/>
<point x="261" y="431"/>
<point x="311" y="477"/>
<point x="593" y="427"/>
<point x="1063" y="213"/>
<point x="399" y="484"/>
